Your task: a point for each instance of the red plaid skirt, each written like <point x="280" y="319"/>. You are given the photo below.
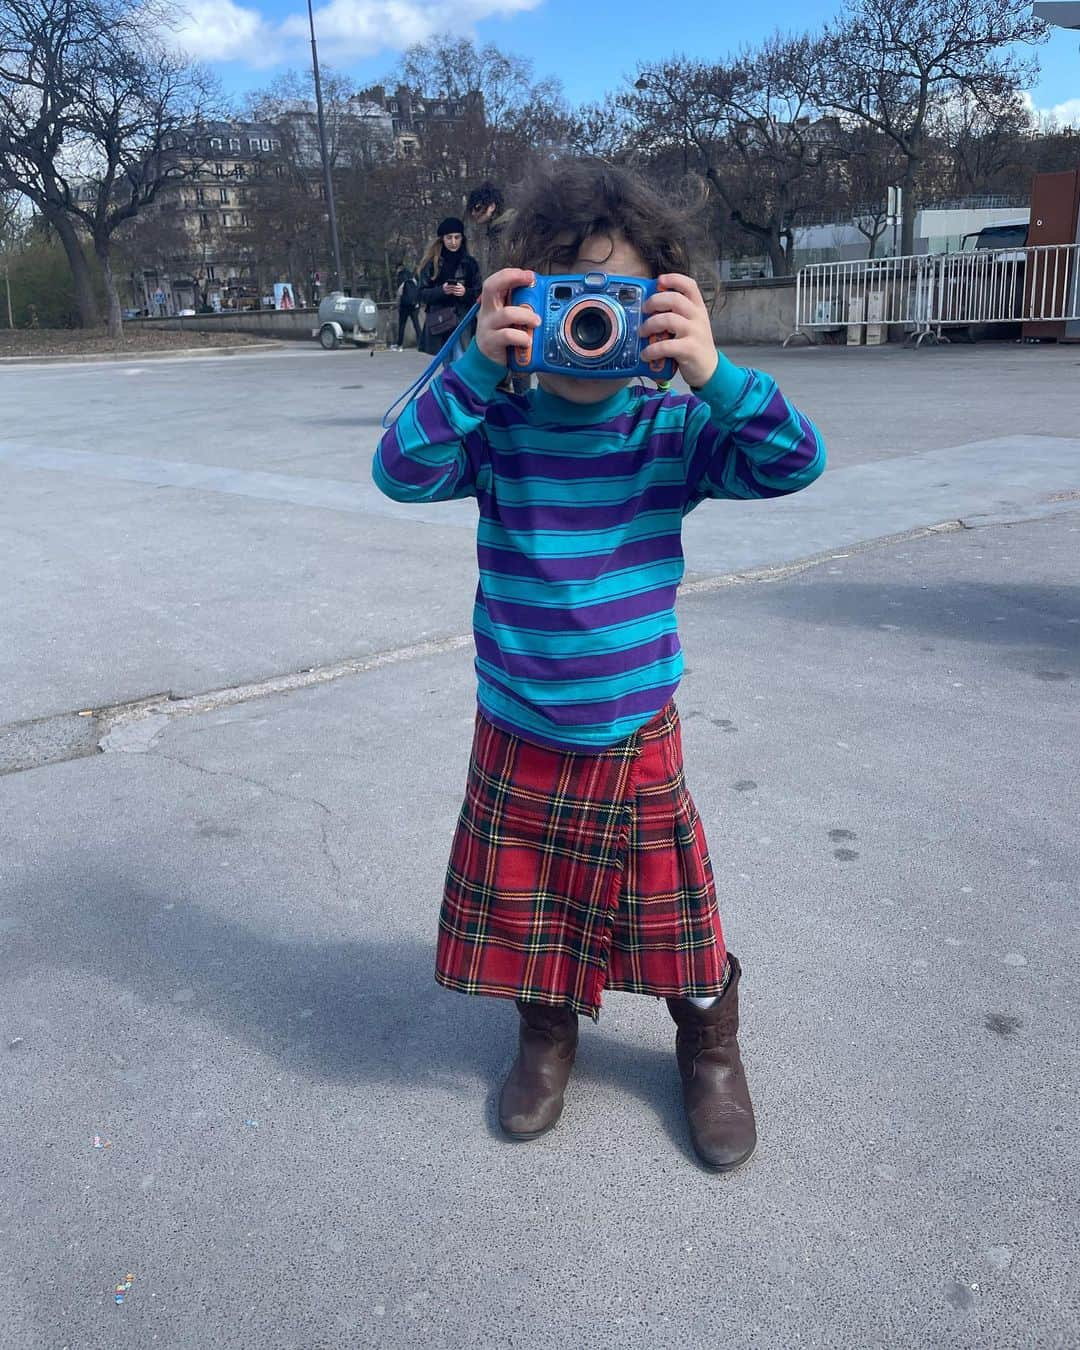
<point x="571" y="873"/>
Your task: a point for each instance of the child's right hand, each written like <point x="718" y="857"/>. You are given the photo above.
<point x="502" y="325"/>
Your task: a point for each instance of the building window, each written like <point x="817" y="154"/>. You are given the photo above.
<point x="225" y="220"/>
<point x="253" y="142"/>
<point x="275" y="145"/>
<point x="210" y="275"/>
<point x="234" y="144"/>
<point x="215" y="142"/>
<point x="279" y="169"/>
<point x="200" y="196"/>
<point x="265" y="143"/>
<point x="219" y="170"/>
<point x="224" y="195"/>
<point x="204" y="221"/>
<point x="238" y="170"/>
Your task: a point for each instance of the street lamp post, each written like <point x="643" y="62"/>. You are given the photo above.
<point x="328" y="179"/>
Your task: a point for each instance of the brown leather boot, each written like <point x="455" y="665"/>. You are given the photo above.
<point x="717" y="1101"/>
<point x="531" y="1100"/>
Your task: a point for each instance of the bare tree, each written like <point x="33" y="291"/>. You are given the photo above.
<point x="46" y="49"/>
<point x="138" y="114"/>
<point x="981" y="139"/>
<point x="892" y="63"/>
<point x="90" y="104"/>
<point x="505" y="117"/>
<point x="750" y="127"/>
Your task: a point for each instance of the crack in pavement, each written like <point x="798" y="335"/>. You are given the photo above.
<point x="273" y="791"/>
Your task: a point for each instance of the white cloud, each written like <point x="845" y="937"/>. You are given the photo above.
<point x="223" y="30"/>
<point x="1066" y="114"/>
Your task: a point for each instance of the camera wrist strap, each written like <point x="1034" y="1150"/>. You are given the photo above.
<point x="420" y="383"/>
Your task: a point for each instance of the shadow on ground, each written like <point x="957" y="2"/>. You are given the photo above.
<point x="1003" y="615"/>
<point x="356" y="1012"/>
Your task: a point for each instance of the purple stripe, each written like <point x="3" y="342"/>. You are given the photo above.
<point x="795" y="461"/>
<point x="765" y="422"/>
<point x="518" y="666"/>
<point x="587" y="515"/>
<point x="744" y="472"/>
<point x="456" y="388"/>
<point x="511" y="563"/>
<point x="709" y="442"/>
<point x="433" y="422"/>
<point x="533" y="462"/>
<point x="580" y="619"/>
<point x="602" y="711"/>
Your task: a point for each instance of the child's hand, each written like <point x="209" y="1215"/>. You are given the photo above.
<point x="501" y="324"/>
<point x="678" y="315"/>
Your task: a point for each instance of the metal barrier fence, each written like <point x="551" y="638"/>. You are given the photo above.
<point x="930" y="292"/>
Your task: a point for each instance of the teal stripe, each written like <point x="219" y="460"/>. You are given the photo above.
<point x="575" y="642"/>
<point x="578" y="543"/>
<point x="564" y="594"/>
<point x="537" y="490"/>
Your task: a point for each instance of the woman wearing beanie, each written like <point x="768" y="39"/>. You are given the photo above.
<point x="449" y="285"/>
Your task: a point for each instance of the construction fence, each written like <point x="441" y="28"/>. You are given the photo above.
<point x="926" y="294"/>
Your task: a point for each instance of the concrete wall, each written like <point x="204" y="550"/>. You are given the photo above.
<point x="271" y="323"/>
<point x="744" y="311"/>
<point x="754" y="311"/>
<point x="285" y="323"/>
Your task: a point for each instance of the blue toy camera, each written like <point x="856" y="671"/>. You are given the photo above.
<point x="589" y="328"/>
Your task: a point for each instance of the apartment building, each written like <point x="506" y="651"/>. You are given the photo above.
<point x="196" y="245"/>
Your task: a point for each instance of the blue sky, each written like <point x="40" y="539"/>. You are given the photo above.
<point x="590" y="44"/>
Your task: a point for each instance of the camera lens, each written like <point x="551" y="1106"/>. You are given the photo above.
<point x="591" y="329"/>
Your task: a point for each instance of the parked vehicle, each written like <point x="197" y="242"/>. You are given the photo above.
<point x="346" y="318"/>
<point x="1012" y="235"/>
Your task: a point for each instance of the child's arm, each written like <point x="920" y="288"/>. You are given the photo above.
<point x="742" y="437"/>
<point x="433" y="451"/>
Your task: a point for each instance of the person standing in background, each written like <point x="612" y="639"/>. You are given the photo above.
<point x="449" y="286"/>
<point x="488" y="219"/>
<point x="408" y="298"/>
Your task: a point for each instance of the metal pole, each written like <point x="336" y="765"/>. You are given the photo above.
<point x="7" y="279"/>
<point x="328" y="181"/>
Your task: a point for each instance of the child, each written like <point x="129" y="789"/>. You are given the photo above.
<point x="579" y="862"/>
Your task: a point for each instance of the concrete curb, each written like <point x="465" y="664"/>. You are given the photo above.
<point x="78" y="357"/>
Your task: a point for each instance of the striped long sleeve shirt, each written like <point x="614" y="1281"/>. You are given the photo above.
<point x="579" y="540"/>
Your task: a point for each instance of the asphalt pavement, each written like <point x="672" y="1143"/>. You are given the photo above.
<point x="235" y="707"/>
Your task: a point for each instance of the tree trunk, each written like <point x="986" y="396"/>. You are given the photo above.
<point x="89" y="313"/>
<point x="112" y="298"/>
<point x="781" y="266"/>
<point x="907" y="208"/>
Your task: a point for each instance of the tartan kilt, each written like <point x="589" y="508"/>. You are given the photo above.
<point x="571" y="873"/>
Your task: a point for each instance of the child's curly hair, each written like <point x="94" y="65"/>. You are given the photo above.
<point x="576" y="198"/>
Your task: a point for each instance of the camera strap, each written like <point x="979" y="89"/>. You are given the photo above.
<point x="418" y="385"/>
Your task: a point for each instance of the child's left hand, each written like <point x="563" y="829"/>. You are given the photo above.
<point x="679" y="315"/>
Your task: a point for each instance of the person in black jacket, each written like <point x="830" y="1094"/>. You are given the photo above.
<point x="408" y="294"/>
<point x="449" y="286"/>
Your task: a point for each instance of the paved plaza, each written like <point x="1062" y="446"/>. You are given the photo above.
<point x="236" y="701"/>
